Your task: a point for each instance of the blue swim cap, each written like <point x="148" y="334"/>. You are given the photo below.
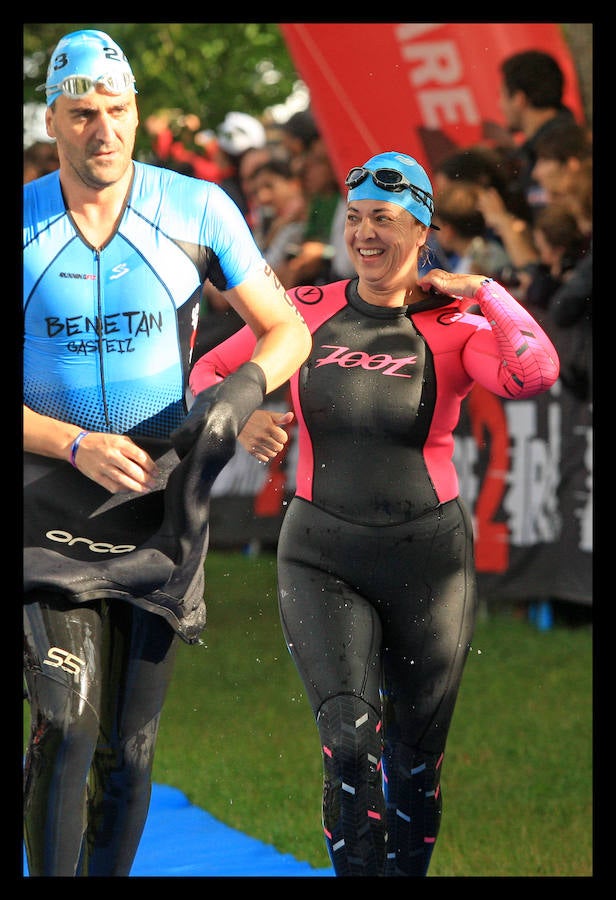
<point x="91" y="54"/>
<point x="419" y="203"/>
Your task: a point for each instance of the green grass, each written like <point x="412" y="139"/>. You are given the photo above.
<point x="238" y="738"/>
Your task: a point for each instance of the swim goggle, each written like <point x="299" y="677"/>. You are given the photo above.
<point x="389" y="180"/>
<point x="77" y="86"/>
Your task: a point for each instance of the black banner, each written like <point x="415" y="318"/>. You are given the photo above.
<point x="525" y="470"/>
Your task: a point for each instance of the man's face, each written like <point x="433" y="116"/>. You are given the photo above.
<point x="510" y="108"/>
<point x="95" y="136"/>
<point x="553" y="176"/>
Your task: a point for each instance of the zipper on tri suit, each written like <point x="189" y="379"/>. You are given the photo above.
<point x="99" y="309"/>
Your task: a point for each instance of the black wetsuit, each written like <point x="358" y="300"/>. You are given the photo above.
<point x="377" y="591"/>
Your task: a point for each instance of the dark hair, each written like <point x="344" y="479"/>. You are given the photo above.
<point x="479" y="165"/>
<point x="456" y="205"/>
<point x="536" y="74"/>
<point x="275" y="166"/>
<point x="301" y="125"/>
<point x="561" y="229"/>
<point x="487" y="167"/>
<point x="563" y="141"/>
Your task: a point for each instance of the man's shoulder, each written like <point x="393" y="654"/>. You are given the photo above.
<point x="562" y="117"/>
<point x="46" y="184"/>
<point x="151" y="172"/>
<point x="42" y="200"/>
<point x="167" y="184"/>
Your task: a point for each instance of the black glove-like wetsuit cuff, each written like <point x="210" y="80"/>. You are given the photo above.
<point x="235" y="400"/>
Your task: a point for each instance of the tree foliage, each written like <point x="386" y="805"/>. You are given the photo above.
<point x="202" y="68"/>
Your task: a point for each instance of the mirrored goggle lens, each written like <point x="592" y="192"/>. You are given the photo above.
<point x="386" y="179"/>
<point x="75" y="86"/>
<point x="390" y="180"/>
<point x="355" y="177"/>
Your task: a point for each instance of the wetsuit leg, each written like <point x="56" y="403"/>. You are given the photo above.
<point x="334" y="636"/>
<point x="63" y="678"/>
<point x="354" y="816"/>
<point x="139" y="664"/>
<point x="414" y="808"/>
<point x="396" y="604"/>
<point x="88" y="767"/>
<point x="424" y="655"/>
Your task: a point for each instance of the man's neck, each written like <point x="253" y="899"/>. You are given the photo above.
<point x="96" y="212"/>
<point x="535" y="118"/>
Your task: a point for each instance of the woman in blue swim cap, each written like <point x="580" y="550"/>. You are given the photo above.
<point x="376" y="577"/>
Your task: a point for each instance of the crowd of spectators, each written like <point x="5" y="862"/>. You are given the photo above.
<point x="281" y="177"/>
<point x="533" y="196"/>
<point x="522" y="211"/>
<point x="40" y="158"/>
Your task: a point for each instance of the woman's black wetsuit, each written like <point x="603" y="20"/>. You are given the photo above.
<point x="376" y="575"/>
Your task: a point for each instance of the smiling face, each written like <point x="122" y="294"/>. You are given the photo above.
<point x="383" y="241"/>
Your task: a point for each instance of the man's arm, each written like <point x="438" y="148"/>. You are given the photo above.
<point x="112" y="460"/>
<point x="283" y="340"/>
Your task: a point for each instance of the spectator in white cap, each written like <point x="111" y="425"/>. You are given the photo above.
<point x="237" y="134"/>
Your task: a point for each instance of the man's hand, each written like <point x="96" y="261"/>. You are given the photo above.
<point x="116" y="463"/>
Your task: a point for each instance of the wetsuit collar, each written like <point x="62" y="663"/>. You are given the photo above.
<point x="433" y="301"/>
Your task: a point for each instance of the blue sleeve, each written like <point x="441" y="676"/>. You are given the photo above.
<point x="193" y="212"/>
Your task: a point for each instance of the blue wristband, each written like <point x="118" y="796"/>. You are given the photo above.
<point x="75" y="446"/>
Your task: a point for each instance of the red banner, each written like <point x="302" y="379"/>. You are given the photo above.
<point x="427" y="89"/>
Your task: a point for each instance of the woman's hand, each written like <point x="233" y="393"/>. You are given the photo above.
<point x="452" y="283"/>
<point x="262" y="435"/>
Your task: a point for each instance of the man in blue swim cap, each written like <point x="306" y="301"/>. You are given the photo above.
<point x="116" y="253"/>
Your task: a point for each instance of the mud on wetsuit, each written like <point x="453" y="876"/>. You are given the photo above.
<point x="375" y="558"/>
<point x="108" y="342"/>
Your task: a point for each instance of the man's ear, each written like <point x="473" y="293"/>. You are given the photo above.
<point x="49" y="122"/>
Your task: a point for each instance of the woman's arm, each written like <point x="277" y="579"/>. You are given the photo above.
<point x="515" y="358"/>
<point x="509" y="353"/>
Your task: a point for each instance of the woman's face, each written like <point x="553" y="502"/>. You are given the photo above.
<point x="271" y="189"/>
<point x="318" y="173"/>
<point x="383" y="241"/>
<point x="548" y="253"/>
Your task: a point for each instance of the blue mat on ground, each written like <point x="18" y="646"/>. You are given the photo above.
<point x="182" y="840"/>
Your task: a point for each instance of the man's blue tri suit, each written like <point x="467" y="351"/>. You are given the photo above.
<point x="109" y="332"/>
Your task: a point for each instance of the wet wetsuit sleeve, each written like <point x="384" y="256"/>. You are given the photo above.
<point x="512" y="356"/>
<point x="220" y="361"/>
